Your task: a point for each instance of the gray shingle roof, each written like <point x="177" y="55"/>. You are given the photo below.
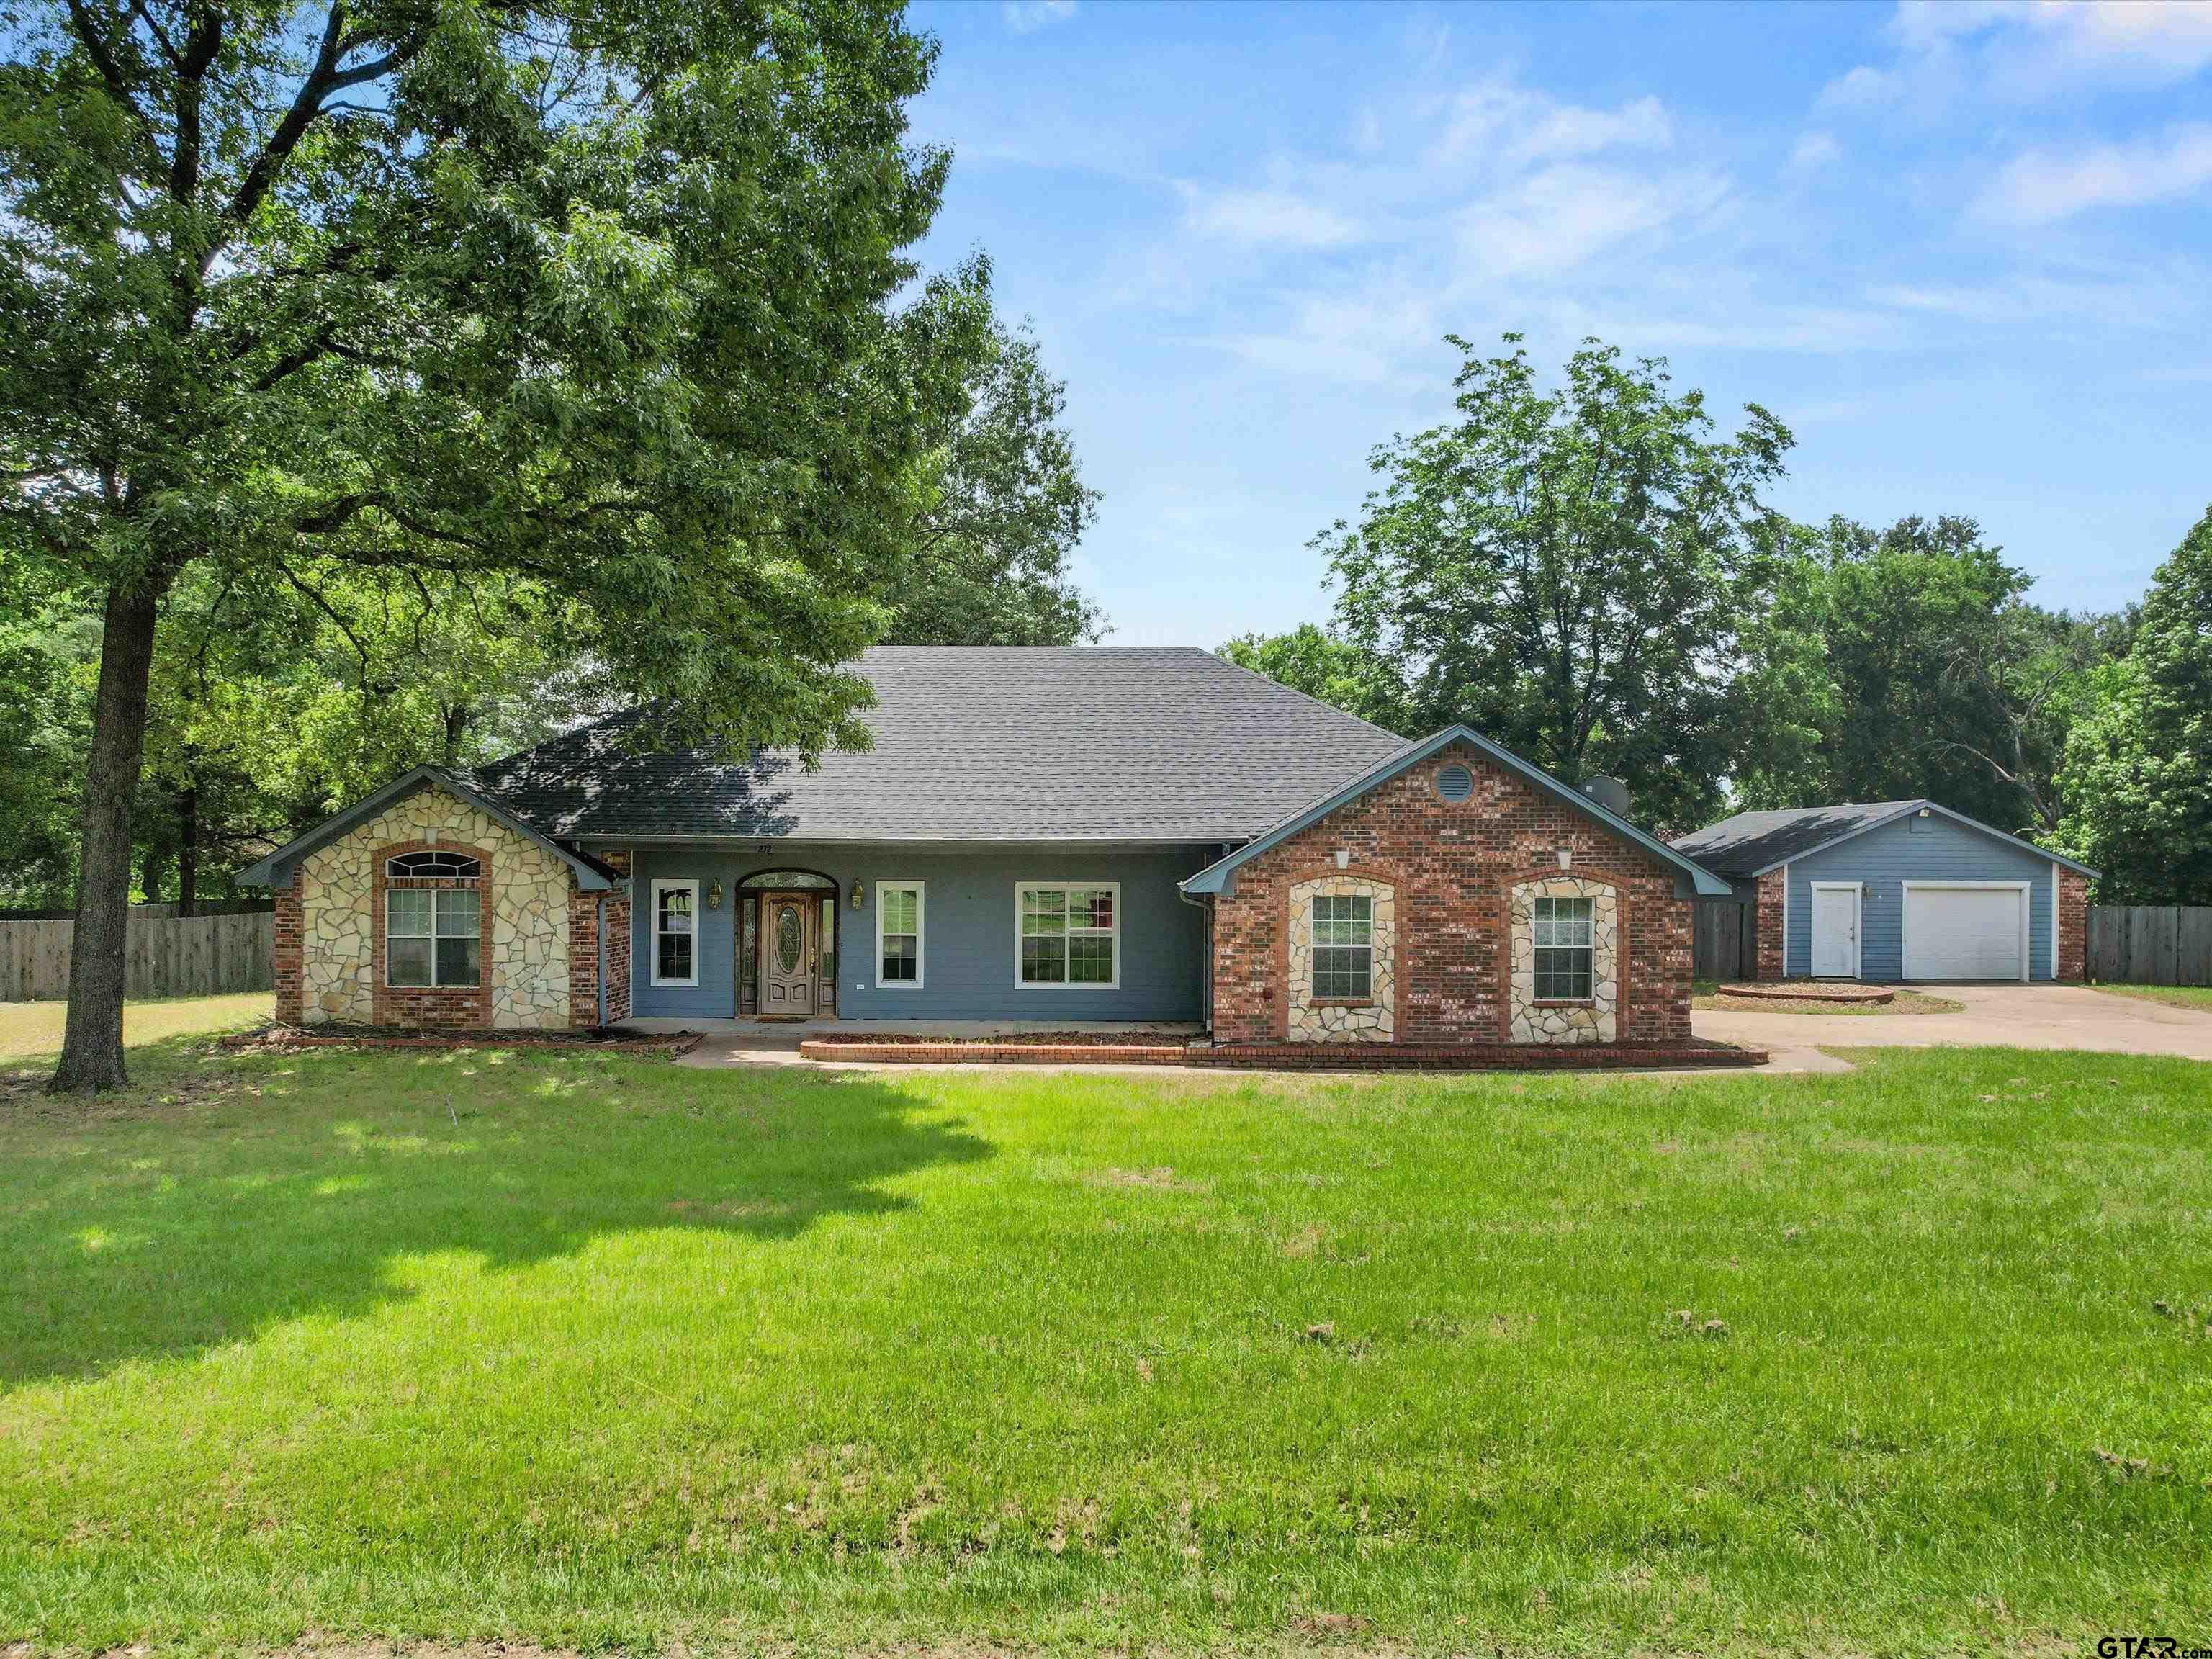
<point x="1752" y="841"/>
<point x="978" y="743"/>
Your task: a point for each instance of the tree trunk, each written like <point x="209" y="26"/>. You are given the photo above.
<point x="188" y="851"/>
<point x="92" y="1041"/>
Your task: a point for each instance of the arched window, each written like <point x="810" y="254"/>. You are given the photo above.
<point x="786" y="881"/>
<point x="432" y="867"/>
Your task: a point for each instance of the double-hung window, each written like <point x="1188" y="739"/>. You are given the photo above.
<point x="1563" y="949"/>
<point x="1067" y="934"/>
<point x="898" y="933"/>
<point x="1343" y="947"/>
<point x="675" y="933"/>
<point x="431" y="936"/>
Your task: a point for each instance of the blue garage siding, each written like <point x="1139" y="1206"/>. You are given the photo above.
<point x="1886" y="859"/>
<point x="967" y="933"/>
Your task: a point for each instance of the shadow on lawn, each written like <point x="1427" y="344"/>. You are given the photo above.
<point x="162" y="1230"/>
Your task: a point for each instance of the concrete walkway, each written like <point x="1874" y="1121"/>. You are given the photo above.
<point x="740" y="1042"/>
<point x="2008" y="1016"/>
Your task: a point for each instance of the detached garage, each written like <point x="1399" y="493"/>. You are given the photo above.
<point x="1899" y="890"/>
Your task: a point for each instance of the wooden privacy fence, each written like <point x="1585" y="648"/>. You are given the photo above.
<point x="1724" y="943"/>
<point x="165" y="956"/>
<point x="2151" y="943"/>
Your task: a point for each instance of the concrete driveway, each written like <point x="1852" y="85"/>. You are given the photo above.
<point x="2008" y="1016"/>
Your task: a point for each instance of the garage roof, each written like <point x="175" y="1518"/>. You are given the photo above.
<point x="1751" y="843"/>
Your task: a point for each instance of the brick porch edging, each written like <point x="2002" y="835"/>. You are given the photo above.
<point x="994" y="1053"/>
<point x="1475" y="1056"/>
<point x="1298" y="1056"/>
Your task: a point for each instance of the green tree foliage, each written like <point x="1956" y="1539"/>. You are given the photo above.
<point x="1327" y="668"/>
<point x="598" y="294"/>
<point x="1566" y="570"/>
<point x="1003" y="507"/>
<point x="2138" y="774"/>
<point x="1906" y="661"/>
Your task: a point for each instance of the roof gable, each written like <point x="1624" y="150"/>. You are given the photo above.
<point x="1217" y="878"/>
<point x="276" y="870"/>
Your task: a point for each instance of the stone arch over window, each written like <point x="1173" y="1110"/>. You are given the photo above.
<point x="1554" y="922"/>
<point x="1318" y="944"/>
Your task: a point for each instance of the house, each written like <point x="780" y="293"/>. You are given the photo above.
<point x="1050" y="834"/>
<point x="1900" y="890"/>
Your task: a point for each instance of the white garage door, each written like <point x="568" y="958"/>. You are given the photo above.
<point x="1965" y="932"/>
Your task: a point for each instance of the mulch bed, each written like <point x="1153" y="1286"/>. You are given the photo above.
<point x="1036" y="1048"/>
<point x="285" y="1039"/>
<point x="1771" y="991"/>
<point x="1131" y="1037"/>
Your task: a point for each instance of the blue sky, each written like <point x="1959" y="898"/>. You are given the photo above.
<point x="1963" y="251"/>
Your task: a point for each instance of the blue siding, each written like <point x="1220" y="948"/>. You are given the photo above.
<point x="1886" y="859"/>
<point x="967" y="933"/>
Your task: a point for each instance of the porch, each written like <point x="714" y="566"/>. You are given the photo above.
<point x="749" y="1042"/>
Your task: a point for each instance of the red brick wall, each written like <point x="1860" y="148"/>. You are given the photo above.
<point x="1769" y="925"/>
<point x="287" y="920"/>
<point x="583" y="959"/>
<point x="2073" y="926"/>
<point x="468" y="1006"/>
<point x="1454" y="865"/>
<point x="617" y="941"/>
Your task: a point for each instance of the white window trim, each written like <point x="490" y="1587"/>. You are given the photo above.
<point x="1857" y="891"/>
<point x="652" y="929"/>
<point x="1022" y="889"/>
<point x="921" y="935"/>
<point x="1314" y="948"/>
<point x="433" y="936"/>
<point x="1904" y="919"/>
<point x="1589" y="1001"/>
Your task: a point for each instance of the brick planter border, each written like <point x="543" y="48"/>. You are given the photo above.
<point x="1475" y="1056"/>
<point x="1799" y="991"/>
<point x="1298" y="1056"/>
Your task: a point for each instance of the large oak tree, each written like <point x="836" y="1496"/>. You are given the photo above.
<point x="611" y="295"/>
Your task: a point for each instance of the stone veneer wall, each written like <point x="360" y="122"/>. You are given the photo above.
<point x="1566" y="1022"/>
<point x="525" y="895"/>
<point x="1331" y="1019"/>
<point x="1452" y="866"/>
<point x="1769" y="923"/>
<point x="2073" y="900"/>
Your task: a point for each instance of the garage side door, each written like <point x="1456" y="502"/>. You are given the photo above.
<point x="1965" y="933"/>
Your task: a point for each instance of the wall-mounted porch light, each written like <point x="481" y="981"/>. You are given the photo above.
<point x="715" y="894"/>
<point x="860" y="892"/>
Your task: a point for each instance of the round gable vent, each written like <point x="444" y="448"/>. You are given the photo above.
<point x="1454" y="782"/>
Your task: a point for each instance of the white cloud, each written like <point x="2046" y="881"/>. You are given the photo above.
<point x="1266" y="216"/>
<point x="1027" y="16"/>
<point x="2169" y="38"/>
<point x="1562" y="217"/>
<point x="2042" y="186"/>
<point x="1863" y="88"/>
<point x="1815" y="150"/>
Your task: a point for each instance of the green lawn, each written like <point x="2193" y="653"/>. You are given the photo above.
<point x="590" y="1350"/>
<point x="29" y="1028"/>
<point x="2198" y="997"/>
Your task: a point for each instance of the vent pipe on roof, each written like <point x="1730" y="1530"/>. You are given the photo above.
<point x="1611" y="794"/>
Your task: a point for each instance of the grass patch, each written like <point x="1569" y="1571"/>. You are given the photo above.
<point x="29" y="1030"/>
<point x="1904" y="1002"/>
<point x="588" y="1350"/>
<point x="2198" y="997"/>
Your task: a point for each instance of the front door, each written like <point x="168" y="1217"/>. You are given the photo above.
<point x="787" y="955"/>
<point x="1835" y="932"/>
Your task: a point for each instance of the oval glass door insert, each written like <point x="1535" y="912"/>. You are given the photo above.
<point x="787" y="938"/>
